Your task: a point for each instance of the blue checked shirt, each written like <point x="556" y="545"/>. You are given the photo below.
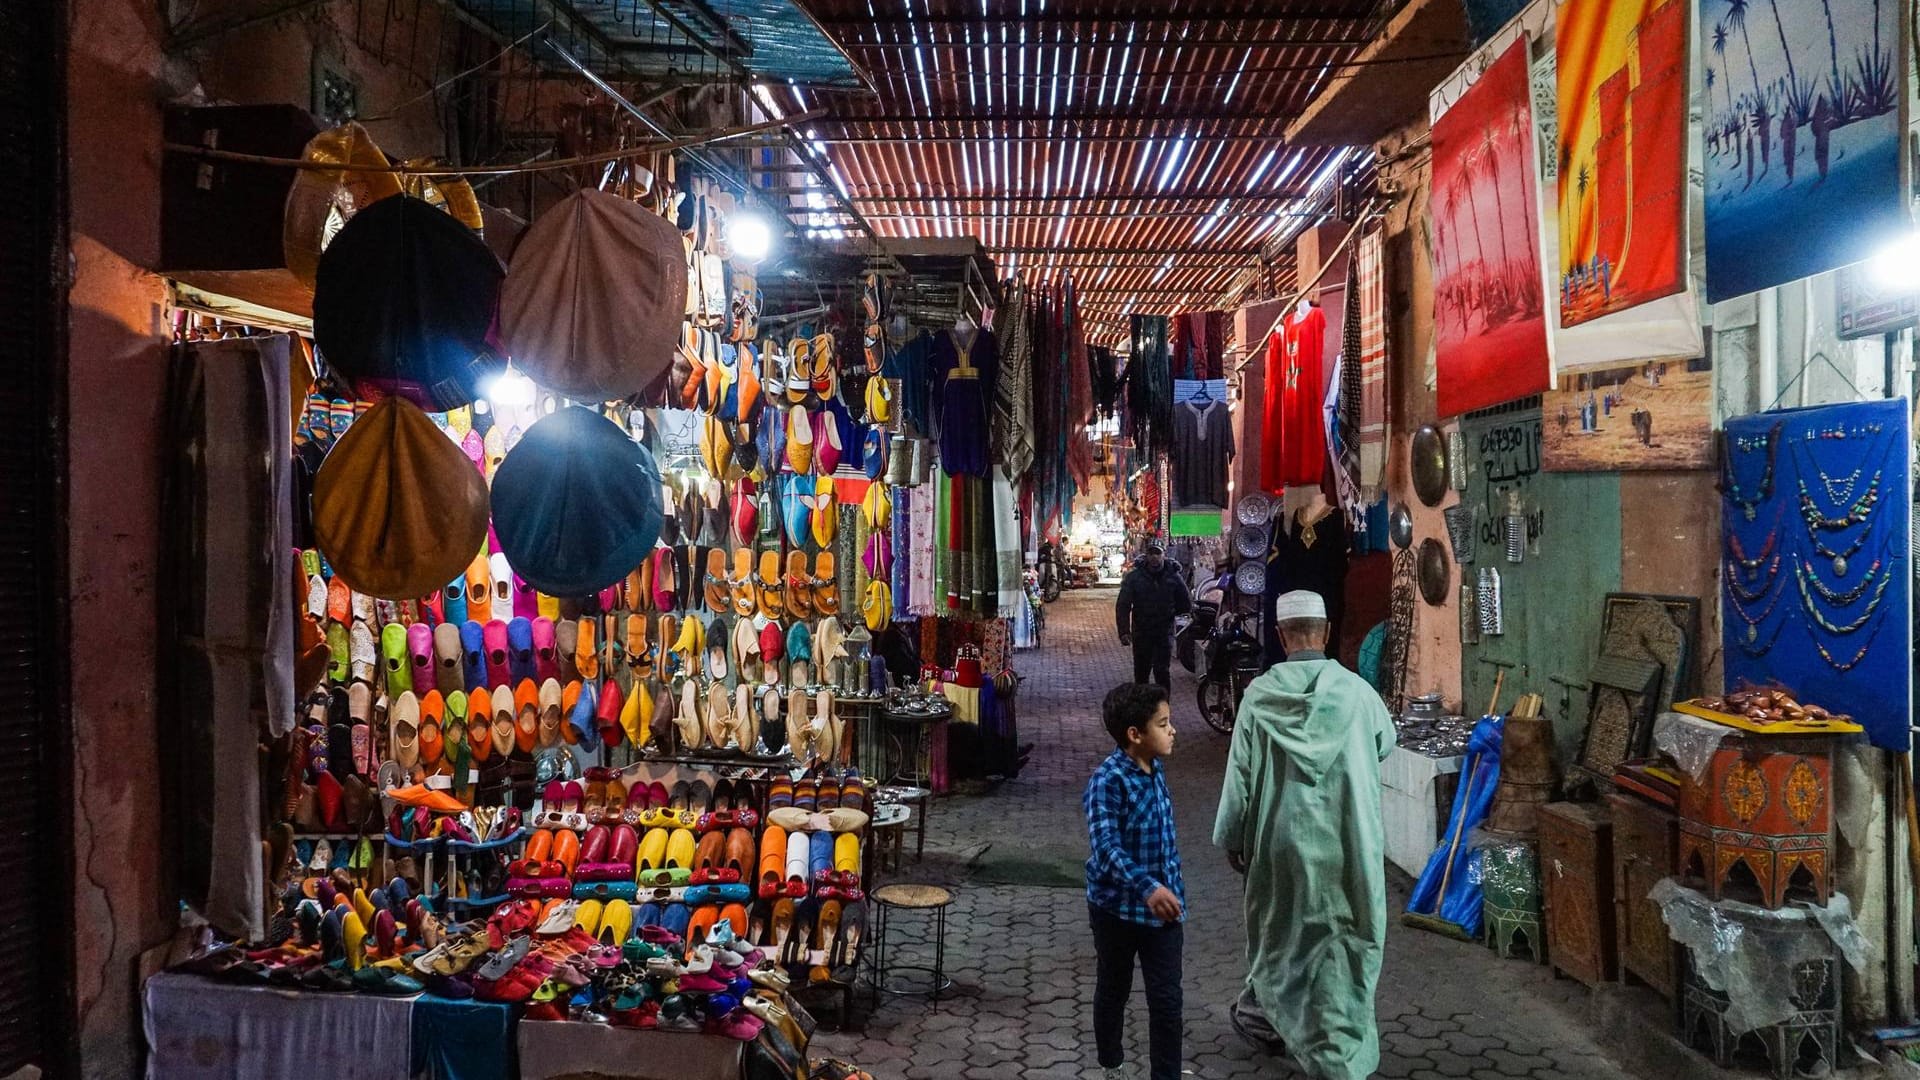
<point x="1130" y="830"/>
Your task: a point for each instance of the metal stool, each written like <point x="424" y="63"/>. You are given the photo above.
<point x="905" y="897"/>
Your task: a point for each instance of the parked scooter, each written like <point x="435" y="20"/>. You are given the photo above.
<point x="1217" y="643"/>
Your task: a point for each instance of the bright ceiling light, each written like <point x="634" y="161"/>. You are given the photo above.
<point x="750" y="237"/>
<point x="1897" y="264"/>
<point x="508" y="390"/>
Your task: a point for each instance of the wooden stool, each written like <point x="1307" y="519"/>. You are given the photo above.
<point x="918" y="798"/>
<point x="905" y="897"/>
<point x="884" y="837"/>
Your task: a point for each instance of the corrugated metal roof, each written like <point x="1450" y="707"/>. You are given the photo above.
<point x="672" y="38"/>
<point x="1137" y="145"/>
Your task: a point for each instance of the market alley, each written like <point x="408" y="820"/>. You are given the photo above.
<point x="1020" y="954"/>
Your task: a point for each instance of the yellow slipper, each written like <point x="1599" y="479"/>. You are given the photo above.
<point x="653" y="850"/>
<point x="877" y="608"/>
<point x="825" y="508"/>
<point x="587" y="916"/>
<point x="680" y="848"/>
<point x="799" y="440"/>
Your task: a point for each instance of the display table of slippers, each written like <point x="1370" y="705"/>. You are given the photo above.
<point x="642" y="897"/>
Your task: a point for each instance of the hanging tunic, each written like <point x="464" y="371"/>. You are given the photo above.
<point x="1293" y="438"/>
<point x="1202" y="447"/>
<point x="1313" y="557"/>
<point x="962" y="404"/>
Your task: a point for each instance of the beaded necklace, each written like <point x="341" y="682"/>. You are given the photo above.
<point x="1821" y="648"/>
<point x="1749" y="504"/>
<point x="1857" y="508"/>
<point x="1754" y="592"/>
<point x="1751" y="566"/>
<point x="1846" y="599"/>
<point x="1753" y="622"/>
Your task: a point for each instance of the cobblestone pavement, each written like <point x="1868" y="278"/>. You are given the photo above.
<point x="1021" y="957"/>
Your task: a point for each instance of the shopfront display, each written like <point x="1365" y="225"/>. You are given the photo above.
<point x="604" y="595"/>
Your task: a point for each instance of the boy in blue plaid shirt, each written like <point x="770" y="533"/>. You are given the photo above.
<point x="1136" y="897"/>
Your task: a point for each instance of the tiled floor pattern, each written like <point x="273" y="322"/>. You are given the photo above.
<point x="1021" y="958"/>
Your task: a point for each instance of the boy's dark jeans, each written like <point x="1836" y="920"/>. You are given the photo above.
<point x="1117" y="941"/>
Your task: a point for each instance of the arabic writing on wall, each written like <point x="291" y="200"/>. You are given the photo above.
<point x="1509" y="460"/>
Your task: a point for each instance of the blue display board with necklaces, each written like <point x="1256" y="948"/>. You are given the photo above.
<point x="1816" y="583"/>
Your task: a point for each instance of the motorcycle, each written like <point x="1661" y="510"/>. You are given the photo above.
<point x="1230" y="649"/>
<point x="1234" y="658"/>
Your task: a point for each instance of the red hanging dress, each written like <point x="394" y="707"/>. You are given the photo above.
<point x="1293" y="443"/>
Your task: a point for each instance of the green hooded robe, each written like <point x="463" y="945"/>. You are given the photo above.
<point x="1301" y="803"/>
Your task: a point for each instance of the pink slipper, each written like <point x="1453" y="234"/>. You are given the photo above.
<point x="546" y="656"/>
<point x="826" y="443"/>
<point x="420" y="652"/>
<point x="526" y="602"/>
<point x="499" y="670"/>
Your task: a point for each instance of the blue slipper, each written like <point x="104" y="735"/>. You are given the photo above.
<point x="582" y="717"/>
<point x="675" y="918"/>
<point x="473" y="654"/>
<point x="819" y="853"/>
<point x="794" y="512"/>
<point x="453" y="601"/>
<point x="520" y="648"/>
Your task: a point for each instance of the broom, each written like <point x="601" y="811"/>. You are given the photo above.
<point x="1434" y="921"/>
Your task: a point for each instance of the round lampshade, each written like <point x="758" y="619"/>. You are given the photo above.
<point x="592" y="304"/>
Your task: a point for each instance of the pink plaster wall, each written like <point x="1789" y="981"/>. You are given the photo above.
<point x="116" y="368"/>
<point x="118" y="82"/>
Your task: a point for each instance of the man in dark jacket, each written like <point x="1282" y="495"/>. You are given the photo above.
<point x="1151" y="594"/>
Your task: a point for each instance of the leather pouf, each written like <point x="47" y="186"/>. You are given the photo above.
<point x="593" y="302"/>
<point x="576" y="503"/>
<point x="397" y="508"/>
<point x="403" y="303"/>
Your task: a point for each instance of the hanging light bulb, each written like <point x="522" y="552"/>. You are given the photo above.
<point x="750" y="237"/>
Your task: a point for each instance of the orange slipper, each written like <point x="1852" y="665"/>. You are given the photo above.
<point x="586" y="654"/>
<point x="433" y="714"/>
<point x="480" y="719"/>
<point x="702" y="923"/>
<point x="826" y="585"/>
<point x="526" y="716"/>
<point x="770" y="584"/>
<point x="570" y="697"/>
<point x="566" y="849"/>
<point x="773" y="862"/>
<point x="799" y="586"/>
<point x="540" y="845"/>
<point x="740" y="581"/>
<point x="719" y="596"/>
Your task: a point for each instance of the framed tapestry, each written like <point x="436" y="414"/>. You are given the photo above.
<point x="1622" y="167"/>
<point x="1489" y="309"/>
<point x="1803" y="138"/>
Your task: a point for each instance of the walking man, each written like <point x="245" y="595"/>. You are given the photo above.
<point x="1300" y="817"/>
<point x="1151" y="595"/>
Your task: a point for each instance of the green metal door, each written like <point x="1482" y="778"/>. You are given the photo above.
<point x="1552" y="600"/>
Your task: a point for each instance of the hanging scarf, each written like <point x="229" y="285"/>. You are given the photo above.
<point x="1013" y="397"/>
